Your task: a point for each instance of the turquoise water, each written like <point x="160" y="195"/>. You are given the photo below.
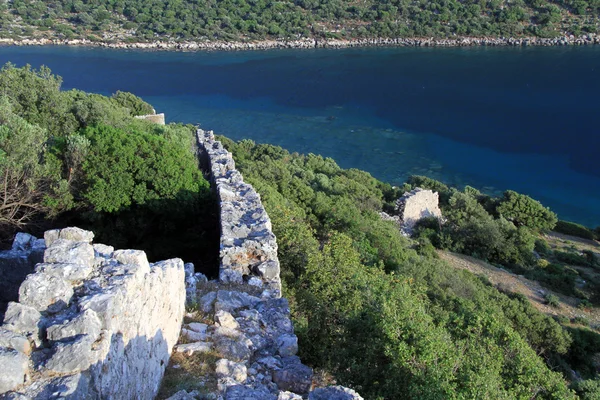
<point x="523" y="119"/>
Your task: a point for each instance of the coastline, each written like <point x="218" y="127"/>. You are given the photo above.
<point x="571" y="40"/>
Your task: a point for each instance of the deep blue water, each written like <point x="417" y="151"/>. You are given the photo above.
<point x="494" y="118"/>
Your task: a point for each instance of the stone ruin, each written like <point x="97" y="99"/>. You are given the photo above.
<point x="248" y="246"/>
<point x="96" y="323"/>
<point x="91" y="322"/>
<point x="412" y="207"/>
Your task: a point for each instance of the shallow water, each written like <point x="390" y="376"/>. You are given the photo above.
<point x="526" y="119"/>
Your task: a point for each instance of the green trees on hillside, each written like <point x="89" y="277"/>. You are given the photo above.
<point x="381" y="317"/>
<point x="244" y="19"/>
<point x="76" y="158"/>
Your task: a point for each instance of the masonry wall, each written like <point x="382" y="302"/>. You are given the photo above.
<point x="248" y="248"/>
<point x="91" y="323"/>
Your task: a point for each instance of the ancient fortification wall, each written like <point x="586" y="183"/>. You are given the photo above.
<point x="416" y="204"/>
<point x="248" y="246"/>
<point x="91" y="322"/>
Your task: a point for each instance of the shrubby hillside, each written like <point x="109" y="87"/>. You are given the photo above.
<point x="73" y="158"/>
<point x="141" y="20"/>
<point x="383" y="314"/>
<point x="373" y="310"/>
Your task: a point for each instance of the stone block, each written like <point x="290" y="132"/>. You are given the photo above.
<point x="69" y="252"/>
<point x="45" y="292"/>
<point x="15" y="366"/>
<point x="230" y="369"/>
<point x="86" y="323"/>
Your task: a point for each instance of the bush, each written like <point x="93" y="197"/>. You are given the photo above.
<point x="571" y="258"/>
<point x="522" y="210"/>
<point x="542" y="247"/>
<point x="573" y="229"/>
<point x="552" y="300"/>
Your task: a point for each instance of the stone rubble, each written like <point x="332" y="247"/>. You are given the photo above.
<point x="91" y="322"/>
<point x="311" y="43"/>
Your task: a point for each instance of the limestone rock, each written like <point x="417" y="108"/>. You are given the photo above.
<point x="231" y="276"/>
<point x="14" y="369"/>
<point x="226" y="368"/>
<point x="294" y="376"/>
<point x="334" y="393"/>
<point x="72" y="233"/>
<point x="21" y="318"/>
<point x="102" y="250"/>
<point x="268" y="269"/>
<point x="184" y="395"/>
<point x="70" y="252"/>
<point x="415" y="205"/>
<point x="74" y="356"/>
<point x="133" y="257"/>
<point x="288" y="396"/>
<point x="230" y="300"/>
<point x="191" y="348"/>
<point x="23" y="241"/>
<point x="287" y="345"/>
<point x="226" y="320"/>
<point x="86" y="323"/>
<point x="207" y="302"/>
<point x="240" y="392"/>
<point x="232" y="349"/>
<point x="13" y="340"/>
<point x="69" y="272"/>
<point x="45" y="292"/>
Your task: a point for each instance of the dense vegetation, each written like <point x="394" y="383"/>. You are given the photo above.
<point x="383" y="314"/>
<point x="378" y="311"/>
<point x="68" y="157"/>
<point x="141" y="20"/>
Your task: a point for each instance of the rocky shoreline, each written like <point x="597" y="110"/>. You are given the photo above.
<point x="570" y="40"/>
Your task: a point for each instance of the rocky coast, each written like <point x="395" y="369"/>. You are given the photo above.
<point x="312" y="43"/>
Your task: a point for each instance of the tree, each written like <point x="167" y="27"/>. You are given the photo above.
<point x="522" y="210"/>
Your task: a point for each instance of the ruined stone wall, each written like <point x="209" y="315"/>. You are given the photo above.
<point x="416" y="204"/>
<point x="248" y="249"/>
<point x="91" y="323"/>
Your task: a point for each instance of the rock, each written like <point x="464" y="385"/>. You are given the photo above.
<point x="226" y="320"/>
<point x="288" y="396"/>
<point x="240" y="392"/>
<point x="193" y="335"/>
<point x="198" y="327"/>
<point x="14" y="369"/>
<point x="76" y="235"/>
<point x="270" y="362"/>
<point x="68" y="272"/>
<point x="294" y="376"/>
<point x="74" y="356"/>
<point x="287" y="345"/>
<point x="415" y="205"/>
<point x="45" y="292"/>
<point x="86" y="323"/>
<point x="207" y="301"/>
<point x="231" y="276"/>
<point x="334" y="393"/>
<point x="254" y="281"/>
<point x="184" y="395"/>
<point x="229" y="369"/>
<point x="69" y="252"/>
<point x="102" y="250"/>
<point x="268" y="270"/>
<point x="231" y="300"/>
<point x="232" y="349"/>
<point x="133" y="257"/>
<point x="13" y="340"/>
<point x="21" y="318"/>
<point x="191" y="348"/>
<point x="23" y="241"/>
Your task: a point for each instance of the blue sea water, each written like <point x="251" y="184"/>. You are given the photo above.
<point x="526" y="119"/>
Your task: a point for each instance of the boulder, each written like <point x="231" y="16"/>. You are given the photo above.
<point x="293" y="376"/>
<point x="86" y="323"/>
<point x="21" y="318"/>
<point x="230" y="369"/>
<point x="15" y="367"/>
<point x="226" y="320"/>
<point x="72" y="357"/>
<point x="45" y="292"/>
<point x="287" y="345"/>
<point x="13" y="340"/>
<point x="334" y="393"/>
<point x="70" y="252"/>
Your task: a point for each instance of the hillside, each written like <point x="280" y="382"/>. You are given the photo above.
<point x="241" y="20"/>
<point x="366" y="301"/>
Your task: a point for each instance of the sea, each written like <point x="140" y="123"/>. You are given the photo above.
<point x="525" y="119"/>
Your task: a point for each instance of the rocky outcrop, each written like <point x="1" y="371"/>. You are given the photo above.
<point x="311" y="43"/>
<point x="415" y="205"/>
<point x="248" y="249"/>
<point x="91" y="322"/>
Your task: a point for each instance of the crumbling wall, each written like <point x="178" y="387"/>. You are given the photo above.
<point x="91" y="323"/>
<point x="16" y="264"/>
<point x="248" y="246"/>
<point x="415" y="205"/>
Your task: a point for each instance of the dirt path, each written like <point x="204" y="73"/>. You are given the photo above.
<point x="508" y="281"/>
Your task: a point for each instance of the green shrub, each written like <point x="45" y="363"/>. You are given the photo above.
<point x="581" y="320"/>
<point x="522" y="210"/>
<point x="573" y="229"/>
<point x="552" y="300"/>
<point x="571" y="258"/>
<point x="542" y="247"/>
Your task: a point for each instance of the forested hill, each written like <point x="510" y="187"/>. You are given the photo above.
<point x="239" y="20"/>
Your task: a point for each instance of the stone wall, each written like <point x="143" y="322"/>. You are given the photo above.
<point x="91" y="323"/>
<point x="248" y="248"/>
<point x="158" y="119"/>
<point x="416" y="204"/>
